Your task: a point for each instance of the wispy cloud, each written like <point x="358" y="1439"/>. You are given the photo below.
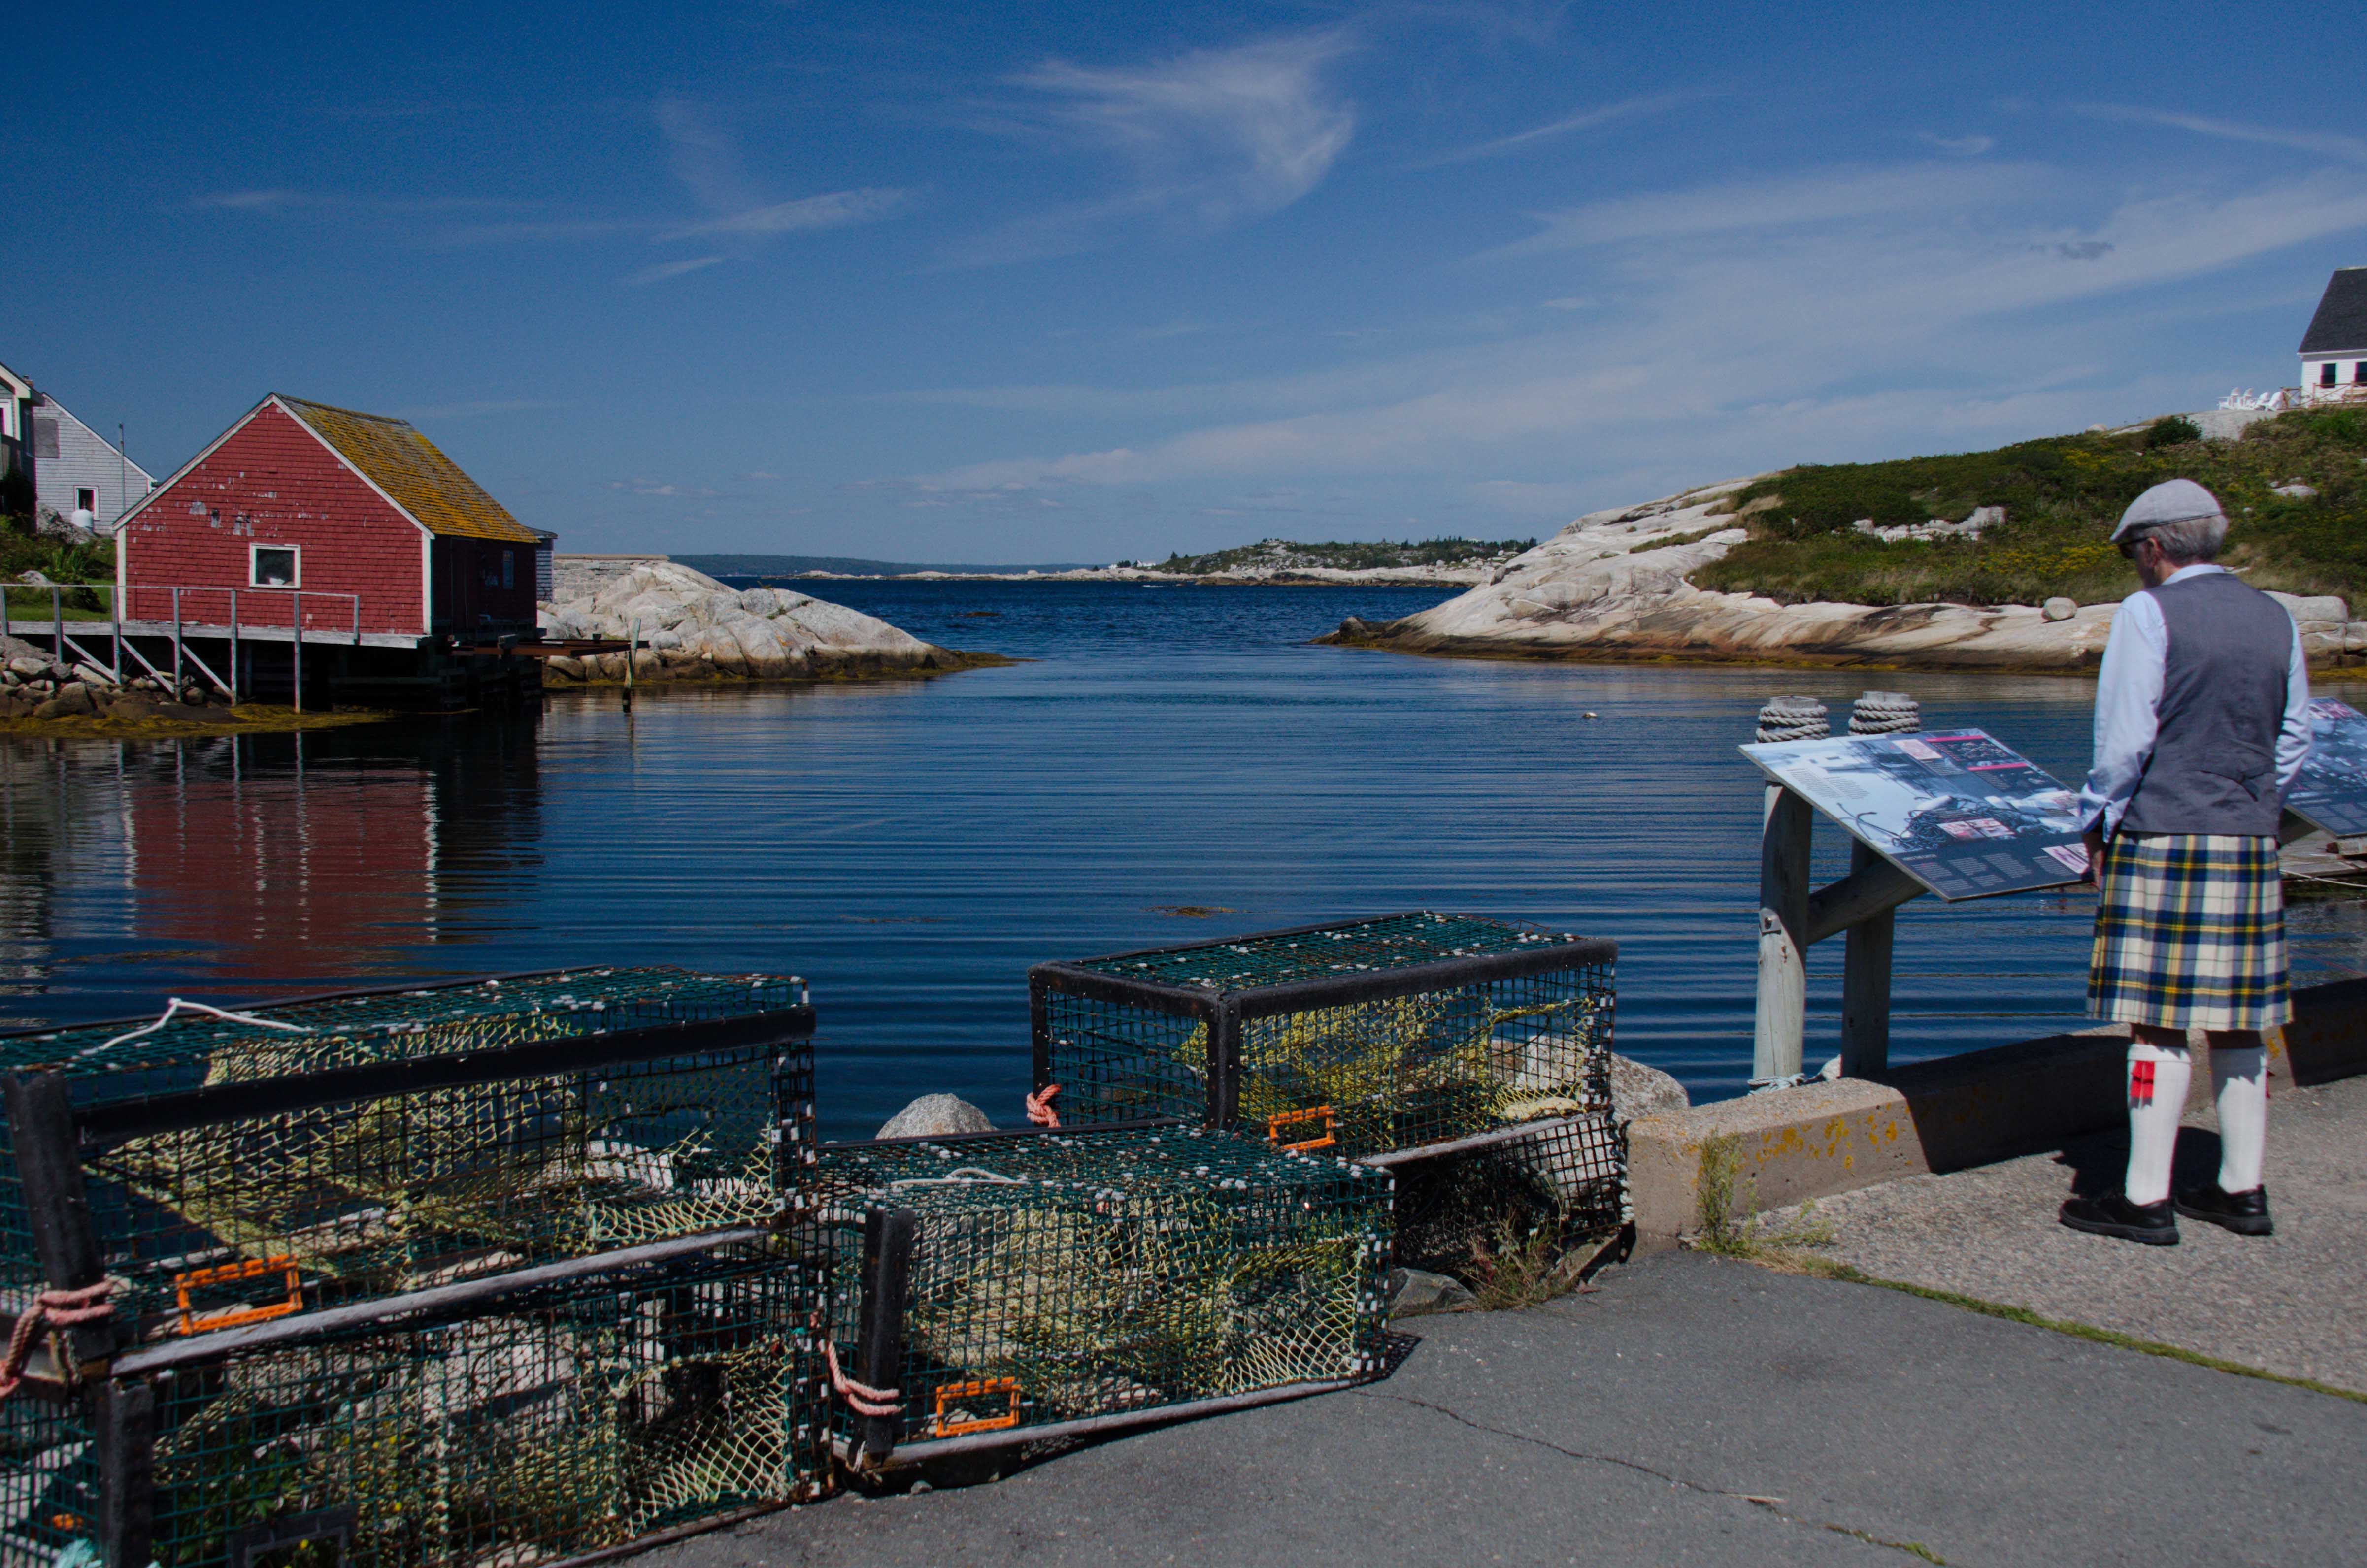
<point x="834" y="210"/>
<point x="654" y="487"/>
<point x="1208" y="139"/>
<point x="663" y="270"/>
<point x="708" y="163"/>
<point x="273" y="200"/>
<point x="534" y="232"/>
<point x="1822" y="196"/>
<point x="1961" y="146"/>
<point x="1862" y="299"/>
<point x="281" y="199"/>
<point x="1631" y="108"/>
<point x="2349" y="149"/>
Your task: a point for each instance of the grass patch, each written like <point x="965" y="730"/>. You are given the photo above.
<point x="1728" y="1201"/>
<point x="1695" y="537"/>
<point x="21" y="553"/>
<point x="1511" y="1268"/>
<point x="2062" y="497"/>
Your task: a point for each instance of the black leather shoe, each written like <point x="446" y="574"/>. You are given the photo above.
<point x="2246" y="1214"/>
<point x="2113" y="1215"/>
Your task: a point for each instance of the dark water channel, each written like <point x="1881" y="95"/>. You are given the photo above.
<point x="1176" y="764"/>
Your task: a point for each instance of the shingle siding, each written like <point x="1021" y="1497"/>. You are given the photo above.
<point x="272" y="482"/>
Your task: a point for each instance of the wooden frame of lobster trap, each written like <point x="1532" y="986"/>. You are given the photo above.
<point x="217" y="1168"/>
<point x="547" y="1416"/>
<point x="1396" y="1034"/>
<point x="1008" y="1288"/>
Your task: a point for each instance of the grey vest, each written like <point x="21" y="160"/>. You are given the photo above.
<point x="2213" y="768"/>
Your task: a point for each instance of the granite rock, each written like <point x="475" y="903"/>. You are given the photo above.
<point x="1615" y="585"/>
<point x="1637" y="1090"/>
<point x="935" y="1116"/>
<point x="1414" y="1292"/>
<point x="689" y="621"/>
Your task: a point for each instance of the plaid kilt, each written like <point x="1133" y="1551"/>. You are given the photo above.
<point x="2189" y="932"/>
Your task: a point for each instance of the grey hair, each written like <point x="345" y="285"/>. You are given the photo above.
<point x="2191" y="539"/>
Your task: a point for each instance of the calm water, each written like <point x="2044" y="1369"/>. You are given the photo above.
<point x="912" y="847"/>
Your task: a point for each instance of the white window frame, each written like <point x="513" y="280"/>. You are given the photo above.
<point x="296" y="550"/>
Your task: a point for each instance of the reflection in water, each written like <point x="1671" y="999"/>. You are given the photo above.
<point x="1178" y="766"/>
<point x="258" y="863"/>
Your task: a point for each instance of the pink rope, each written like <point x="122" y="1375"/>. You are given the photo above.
<point x="861" y="1398"/>
<point x="59" y="1309"/>
<point x="1040" y="1106"/>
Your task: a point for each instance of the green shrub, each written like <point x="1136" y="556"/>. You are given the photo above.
<point x="2176" y="430"/>
<point x="2061" y="496"/>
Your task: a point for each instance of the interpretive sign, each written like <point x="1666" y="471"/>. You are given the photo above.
<point x="2331" y="794"/>
<point x="1963" y="814"/>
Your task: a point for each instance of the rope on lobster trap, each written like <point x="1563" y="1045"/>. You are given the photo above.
<point x="58" y="1309"/>
<point x="1040" y="1106"/>
<point x="861" y="1398"/>
<point x="175" y="1005"/>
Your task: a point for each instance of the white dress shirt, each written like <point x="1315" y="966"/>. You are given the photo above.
<point x="2128" y="697"/>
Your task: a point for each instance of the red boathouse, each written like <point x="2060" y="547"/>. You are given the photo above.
<point x="352" y="525"/>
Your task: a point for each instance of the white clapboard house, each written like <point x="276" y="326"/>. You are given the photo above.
<point x="78" y="475"/>
<point x="2334" y="350"/>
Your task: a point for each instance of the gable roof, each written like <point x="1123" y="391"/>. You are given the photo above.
<point x="56" y="409"/>
<point x="2341" y="320"/>
<point x="410" y="471"/>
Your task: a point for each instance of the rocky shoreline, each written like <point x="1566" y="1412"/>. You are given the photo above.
<point x="1613" y="586"/>
<point x="692" y="627"/>
<point x="41" y="696"/>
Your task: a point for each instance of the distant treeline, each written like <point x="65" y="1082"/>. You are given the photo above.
<point x="848" y="566"/>
<point x="1285" y="555"/>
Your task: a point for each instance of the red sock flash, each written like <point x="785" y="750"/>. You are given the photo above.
<point x="2140" y="1083"/>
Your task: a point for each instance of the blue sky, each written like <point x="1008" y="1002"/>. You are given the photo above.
<point x="1051" y="281"/>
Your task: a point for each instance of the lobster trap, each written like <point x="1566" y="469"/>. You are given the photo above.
<point x="540" y="1418"/>
<point x="224" y="1170"/>
<point x="1020" y="1287"/>
<point x="1530" y="1194"/>
<point x="1398" y="1033"/>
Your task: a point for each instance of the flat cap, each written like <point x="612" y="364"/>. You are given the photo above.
<point x="2172" y="500"/>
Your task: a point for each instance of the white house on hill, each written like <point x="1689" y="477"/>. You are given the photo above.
<point x="2334" y="350"/>
<point x="75" y="470"/>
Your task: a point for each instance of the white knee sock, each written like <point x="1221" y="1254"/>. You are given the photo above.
<point x="2157" y="1084"/>
<point x="2241" y="1079"/>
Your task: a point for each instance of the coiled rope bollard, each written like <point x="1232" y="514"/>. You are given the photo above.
<point x="1885" y="713"/>
<point x="1794" y="718"/>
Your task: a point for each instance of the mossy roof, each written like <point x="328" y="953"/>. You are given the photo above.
<point x="414" y="474"/>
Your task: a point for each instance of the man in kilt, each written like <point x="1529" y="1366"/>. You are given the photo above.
<point x="2202" y="722"/>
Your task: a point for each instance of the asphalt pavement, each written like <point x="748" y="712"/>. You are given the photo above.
<point x="1691" y="1410"/>
<point x="2295" y="1303"/>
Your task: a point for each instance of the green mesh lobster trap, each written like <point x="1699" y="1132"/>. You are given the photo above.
<point x="48" y="1479"/>
<point x="231" y="1168"/>
<point x="1530" y="1195"/>
<point x="1368" y="1037"/>
<point x="1021" y="1287"/>
<point x="536" y="1420"/>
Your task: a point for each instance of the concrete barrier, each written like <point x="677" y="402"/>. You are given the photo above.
<point x="1968" y="1110"/>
